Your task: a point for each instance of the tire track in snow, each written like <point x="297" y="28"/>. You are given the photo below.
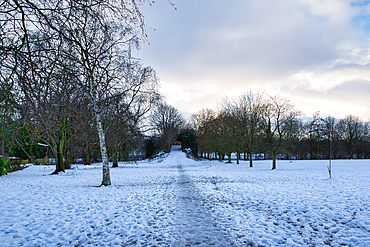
<point x="194" y="223"/>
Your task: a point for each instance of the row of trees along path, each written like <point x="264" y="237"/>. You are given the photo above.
<point x="58" y="55"/>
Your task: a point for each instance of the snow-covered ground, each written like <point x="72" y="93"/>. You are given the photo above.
<point x="181" y="202"/>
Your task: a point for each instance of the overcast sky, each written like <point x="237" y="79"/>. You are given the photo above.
<point x="314" y="52"/>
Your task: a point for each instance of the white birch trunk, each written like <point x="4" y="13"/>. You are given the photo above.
<point x="103" y="149"/>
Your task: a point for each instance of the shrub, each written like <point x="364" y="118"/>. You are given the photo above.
<point x="150" y="149"/>
<point x="15" y="162"/>
<point x="4" y="167"/>
<point x="188" y="142"/>
<point x="14" y="165"/>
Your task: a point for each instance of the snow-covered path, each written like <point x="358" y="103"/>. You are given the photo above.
<point x="181" y="202"/>
<point x="194" y="222"/>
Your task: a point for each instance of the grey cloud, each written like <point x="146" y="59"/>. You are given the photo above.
<point x="243" y="43"/>
<point x="271" y="43"/>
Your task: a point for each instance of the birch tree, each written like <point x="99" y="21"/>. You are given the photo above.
<point x="331" y="134"/>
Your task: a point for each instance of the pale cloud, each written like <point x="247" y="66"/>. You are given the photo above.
<point x="334" y="9"/>
<point x="324" y="82"/>
<point x="303" y="49"/>
<point x="328" y="107"/>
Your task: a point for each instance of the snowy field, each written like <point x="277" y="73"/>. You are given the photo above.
<point x="181" y="202"/>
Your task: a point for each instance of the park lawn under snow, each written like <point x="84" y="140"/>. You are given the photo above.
<point x="179" y="202"/>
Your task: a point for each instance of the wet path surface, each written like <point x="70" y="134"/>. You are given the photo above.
<point x="175" y="211"/>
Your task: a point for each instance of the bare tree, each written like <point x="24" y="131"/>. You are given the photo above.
<point x="200" y="122"/>
<point x="229" y="132"/>
<point x="330" y="132"/>
<point x="166" y="121"/>
<point x="219" y="135"/>
<point x="293" y="134"/>
<point x="51" y="98"/>
<point x="247" y="110"/>
<point x="276" y="113"/>
<point x="127" y="112"/>
<point x="233" y="137"/>
<point x="350" y="130"/>
<point x="366" y="140"/>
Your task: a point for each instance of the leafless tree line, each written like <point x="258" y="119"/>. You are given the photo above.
<point x="257" y="125"/>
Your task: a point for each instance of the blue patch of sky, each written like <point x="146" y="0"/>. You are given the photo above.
<point x="360" y="3"/>
<point x="361" y="21"/>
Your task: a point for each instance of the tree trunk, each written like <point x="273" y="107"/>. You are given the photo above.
<point x="351" y="153"/>
<point x="115" y="159"/>
<point x="59" y="163"/>
<point x="273" y="160"/>
<point x="5" y="144"/>
<point x="250" y="159"/>
<point x="87" y="155"/>
<point x="5" y="149"/>
<point x="103" y="148"/>
<point x="67" y="161"/>
<point x="219" y="156"/>
<point x="229" y="158"/>
<point x="318" y="150"/>
<point x="237" y="158"/>
<point x="58" y="153"/>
